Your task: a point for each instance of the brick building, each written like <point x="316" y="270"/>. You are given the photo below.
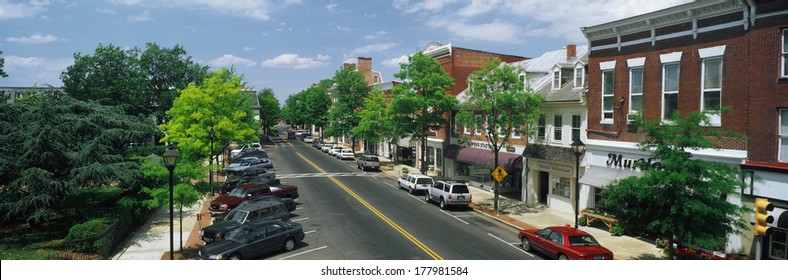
<point x="699" y="56"/>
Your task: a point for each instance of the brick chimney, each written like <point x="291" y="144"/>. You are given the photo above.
<point x="571" y="51"/>
<point x="365" y="67"/>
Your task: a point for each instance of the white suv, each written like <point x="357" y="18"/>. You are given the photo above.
<point x="448" y="193"/>
<point x="415" y="182"/>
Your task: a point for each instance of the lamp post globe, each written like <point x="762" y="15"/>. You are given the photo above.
<point x="170" y="160"/>
<point x="577" y="148"/>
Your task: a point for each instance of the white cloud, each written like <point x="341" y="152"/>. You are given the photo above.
<point x="331" y="7"/>
<point x="375" y="48"/>
<point x="395" y="62"/>
<point x="422" y="6"/>
<point x="106" y="11"/>
<point x="259" y="10"/>
<point x="30" y="70"/>
<point x="9" y="10"/>
<point x="144" y="16"/>
<point x="375" y="35"/>
<point x="477" y="7"/>
<point x="496" y="31"/>
<point x="294" y="61"/>
<point x="246" y="49"/>
<point x="34" y="39"/>
<point x="126" y="2"/>
<point x="230" y="60"/>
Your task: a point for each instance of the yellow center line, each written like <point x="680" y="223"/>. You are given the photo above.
<point x="391" y="223"/>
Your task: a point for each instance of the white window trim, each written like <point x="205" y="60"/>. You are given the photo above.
<point x="670" y="57"/>
<point x="556" y="85"/>
<point x="579" y="128"/>
<point x="714" y="119"/>
<point x="678" y="85"/>
<point x="538" y="126"/>
<point x="781" y="134"/>
<point x="559" y="129"/>
<point x="783" y="72"/>
<point x="711" y="51"/>
<point x="607" y="65"/>
<point x="636" y="62"/>
<point x="642" y="73"/>
<point x="612" y="95"/>
<point x="581" y="69"/>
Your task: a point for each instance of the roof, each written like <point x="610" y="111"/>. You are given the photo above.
<point x="549" y="153"/>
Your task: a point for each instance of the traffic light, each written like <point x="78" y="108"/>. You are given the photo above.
<point x="762" y="217"/>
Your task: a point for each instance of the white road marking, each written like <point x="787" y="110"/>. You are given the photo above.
<point x="450" y="215"/>
<point x="311" y="231"/>
<point x="304" y="252"/>
<point x="301" y="219"/>
<point x="510" y="244"/>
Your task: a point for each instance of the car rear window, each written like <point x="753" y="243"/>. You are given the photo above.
<point x="459" y="189"/>
<point x="372" y="158"/>
<point x="424" y="181"/>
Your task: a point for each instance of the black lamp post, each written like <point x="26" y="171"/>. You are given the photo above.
<point x="211" y="135"/>
<point x="170" y="160"/>
<point x="578" y="148"/>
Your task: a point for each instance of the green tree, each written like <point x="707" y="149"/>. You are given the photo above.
<point x="496" y="92"/>
<point x="54" y="144"/>
<point x="317" y="104"/>
<point x="2" y="64"/>
<point x="217" y="103"/>
<point x="182" y="195"/>
<point x="269" y="110"/>
<point x="350" y="89"/>
<point x="374" y="123"/>
<point x="680" y="198"/>
<point x="420" y="101"/>
<point x="140" y="82"/>
<point x="293" y="112"/>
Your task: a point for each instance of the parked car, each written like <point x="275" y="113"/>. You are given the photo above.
<point x="254" y="240"/>
<point x="346" y="153"/>
<point x="448" y="193"/>
<point x="250" y="166"/>
<point x="365" y="162"/>
<point x="335" y="149"/>
<point x="233" y="181"/>
<point x="415" y="182"/>
<point x="289" y="203"/>
<point x="327" y="147"/>
<point x="563" y="243"/>
<point x="246" y="213"/>
<point x="257" y="146"/>
<point x="308" y="139"/>
<point x="234" y="198"/>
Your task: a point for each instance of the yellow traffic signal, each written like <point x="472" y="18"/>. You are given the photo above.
<point x="762" y="217"/>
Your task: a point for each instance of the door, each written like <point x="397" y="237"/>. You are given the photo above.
<point x="544" y="186"/>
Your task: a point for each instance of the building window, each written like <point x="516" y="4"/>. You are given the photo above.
<point x="712" y="88"/>
<point x="562" y="187"/>
<point x="783" y="135"/>
<point x="785" y="53"/>
<point x="556" y="79"/>
<point x="542" y="126"/>
<point x="635" y="90"/>
<point x="525" y="81"/>
<point x="579" y="76"/>
<point x="479" y="124"/>
<point x="457" y="125"/>
<point x="575" y="127"/>
<point x="557" y="125"/>
<point x="670" y="90"/>
<point x="778" y="248"/>
<point x="608" y="86"/>
<point x="375" y="79"/>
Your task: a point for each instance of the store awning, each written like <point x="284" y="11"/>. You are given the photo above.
<point x="483" y="157"/>
<point x="600" y="176"/>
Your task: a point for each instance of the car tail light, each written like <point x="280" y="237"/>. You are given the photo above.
<point x="449" y="196"/>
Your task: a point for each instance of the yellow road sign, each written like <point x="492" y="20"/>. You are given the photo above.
<point x="498" y="173"/>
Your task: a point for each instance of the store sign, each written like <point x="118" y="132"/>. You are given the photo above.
<point x="618" y="160"/>
<point x="554" y="168"/>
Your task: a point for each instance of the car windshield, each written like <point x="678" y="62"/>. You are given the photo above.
<point x="239" y="235"/>
<point x="459" y="189"/>
<point x="582" y="240"/>
<point x="236" y="216"/>
<point x="237" y="192"/>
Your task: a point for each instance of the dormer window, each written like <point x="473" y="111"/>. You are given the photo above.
<point x="556" y="79"/>
<point x="580" y="76"/>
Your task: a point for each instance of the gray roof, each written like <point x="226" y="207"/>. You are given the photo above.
<point x="566" y="93"/>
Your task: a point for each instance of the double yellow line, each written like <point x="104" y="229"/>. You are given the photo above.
<point x="391" y="223"/>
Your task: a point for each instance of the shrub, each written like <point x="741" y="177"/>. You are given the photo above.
<point x="616" y="230"/>
<point x="85" y="236"/>
<point x="582" y="221"/>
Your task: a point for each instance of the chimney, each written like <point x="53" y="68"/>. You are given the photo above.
<point x="365" y="64"/>
<point x="571" y="51"/>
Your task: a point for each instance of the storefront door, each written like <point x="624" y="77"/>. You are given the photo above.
<point x="544" y="186"/>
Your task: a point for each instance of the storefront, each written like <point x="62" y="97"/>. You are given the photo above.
<point x="474" y="164"/>
<point x="770" y="181"/>
<point x="550" y="175"/>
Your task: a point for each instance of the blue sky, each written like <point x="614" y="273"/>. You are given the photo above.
<point x="287" y="45"/>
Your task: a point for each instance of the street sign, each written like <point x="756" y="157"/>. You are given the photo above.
<point x="498" y="173"/>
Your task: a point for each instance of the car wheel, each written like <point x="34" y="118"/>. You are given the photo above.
<point x="410" y="190"/>
<point x="562" y="257"/>
<point x="427" y="197"/>
<point x="443" y="203"/>
<point x="526" y="244"/>
<point x="235" y="256"/>
<point x="290" y="244"/>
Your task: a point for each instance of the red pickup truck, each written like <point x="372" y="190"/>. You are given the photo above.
<point x="241" y="193"/>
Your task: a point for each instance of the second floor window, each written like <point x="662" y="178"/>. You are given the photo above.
<point x="670" y="90"/>
<point x="557" y="125"/>
<point x="542" y="124"/>
<point x="579" y="76"/>
<point x="607" y="94"/>
<point x="783" y="153"/>
<point x="635" y="90"/>
<point x="479" y="124"/>
<point x="556" y="79"/>
<point x="712" y="84"/>
<point x="575" y="127"/>
<point x="785" y="53"/>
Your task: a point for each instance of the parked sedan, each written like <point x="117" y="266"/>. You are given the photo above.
<point x="254" y="240"/>
<point x="344" y="154"/>
<point x="564" y="243"/>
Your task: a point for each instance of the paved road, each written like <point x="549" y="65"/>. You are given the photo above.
<point x="349" y="214"/>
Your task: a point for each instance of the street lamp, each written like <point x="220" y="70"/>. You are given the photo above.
<point x="211" y="135"/>
<point x="578" y="148"/>
<point x="170" y="160"/>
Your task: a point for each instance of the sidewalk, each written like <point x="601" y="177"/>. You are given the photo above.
<point x="521" y="216"/>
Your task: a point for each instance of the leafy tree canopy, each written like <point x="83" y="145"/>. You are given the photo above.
<point x="2" y="64"/>
<point x="54" y="144"/>
<point x="217" y="103"/>
<point x="350" y="89"/>
<point x="681" y="197"/>
<point x="316" y="106"/>
<point x="269" y="109"/>
<point x="374" y="123"/>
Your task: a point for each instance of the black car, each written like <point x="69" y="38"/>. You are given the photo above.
<point x="243" y="214"/>
<point x="254" y="240"/>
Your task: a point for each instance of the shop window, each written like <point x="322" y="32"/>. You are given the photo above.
<point x="778" y="248"/>
<point x="562" y="187"/>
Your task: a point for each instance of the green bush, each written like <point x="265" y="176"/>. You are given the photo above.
<point x="82" y="236"/>
<point x="131" y="207"/>
<point x="616" y="230"/>
<point x="144" y="151"/>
